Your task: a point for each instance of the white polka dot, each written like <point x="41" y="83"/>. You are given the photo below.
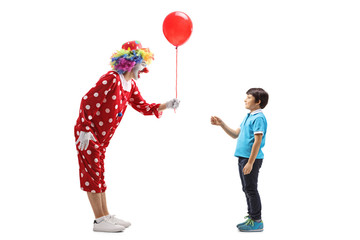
<point x="88" y="152"/>
<point x="104" y="101"/>
<point x="80" y="111"/>
<point x="92" y="124"/>
<point x="93" y="191"/>
<point x="110" y="135"/>
<point x="96" y="146"/>
<point x="97" y="173"/>
<point x="89" y="117"/>
<point x="120" y="92"/>
<point x="131" y="99"/>
<point x="136" y="92"/>
<point x="120" y="101"/>
<point x="96" y="160"/>
<point x="87" y="183"/>
<point x="103" y="133"/>
<point x="106" y="92"/>
<point x="77" y="133"/>
<point x="87" y="128"/>
<point x="138" y="106"/>
<point x="82" y="175"/>
<point x="104" y="82"/>
<point x="116" y="106"/>
<point x="141" y="102"/>
<point x="114" y="80"/>
<point x="99" y="185"/>
<point x="82" y="119"/>
<point x="87" y="107"/>
<point x="89" y="165"/>
<point x="107" y="110"/>
<point x="98" y="113"/>
<point x="113" y="97"/>
<point x="110" y="120"/>
<point x="85" y="97"/>
<point x="98" y="105"/>
<point x="96" y="94"/>
<point x="118" y="83"/>
<point x="101" y="123"/>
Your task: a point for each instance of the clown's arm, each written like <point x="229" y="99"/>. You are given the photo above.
<point x="140" y="105"/>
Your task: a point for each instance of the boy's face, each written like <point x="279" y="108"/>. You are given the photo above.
<point x="250" y="103"/>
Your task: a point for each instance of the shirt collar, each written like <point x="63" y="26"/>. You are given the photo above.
<point x="256" y="111"/>
<point x="125" y="84"/>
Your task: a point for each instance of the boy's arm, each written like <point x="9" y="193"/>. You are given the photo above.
<point x="231" y="132"/>
<point x="254" y="152"/>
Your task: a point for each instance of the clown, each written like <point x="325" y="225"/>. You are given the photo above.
<point x="101" y="111"/>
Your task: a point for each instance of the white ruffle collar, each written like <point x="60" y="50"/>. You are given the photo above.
<point x="126" y="85"/>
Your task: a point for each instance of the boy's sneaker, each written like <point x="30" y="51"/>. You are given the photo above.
<point x="118" y="221"/>
<point x="252" y="226"/>
<point x="106" y="225"/>
<point x="243" y="223"/>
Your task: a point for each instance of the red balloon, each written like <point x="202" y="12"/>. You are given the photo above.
<point x="177" y="28"/>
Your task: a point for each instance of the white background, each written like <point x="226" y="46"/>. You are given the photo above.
<point x="176" y="177"/>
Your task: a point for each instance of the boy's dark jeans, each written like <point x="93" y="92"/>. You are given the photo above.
<point x="249" y="183"/>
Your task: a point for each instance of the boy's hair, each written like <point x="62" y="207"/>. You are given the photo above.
<point x="259" y="94"/>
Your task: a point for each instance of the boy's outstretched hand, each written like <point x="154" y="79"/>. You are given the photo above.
<point x="216" y="120"/>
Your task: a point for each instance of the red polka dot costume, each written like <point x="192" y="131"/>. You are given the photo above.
<point x="101" y="112"/>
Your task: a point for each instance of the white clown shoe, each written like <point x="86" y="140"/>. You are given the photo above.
<point x="107" y="225"/>
<point x="118" y="221"/>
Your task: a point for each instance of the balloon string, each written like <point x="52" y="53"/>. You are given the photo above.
<point x="176" y="72"/>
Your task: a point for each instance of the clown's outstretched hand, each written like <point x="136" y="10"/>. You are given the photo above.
<point x="174" y="103"/>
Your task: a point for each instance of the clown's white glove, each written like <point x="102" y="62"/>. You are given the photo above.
<point x="84" y="139"/>
<point x="173" y="103"/>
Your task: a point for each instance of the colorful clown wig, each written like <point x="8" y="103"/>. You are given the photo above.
<point x="131" y="54"/>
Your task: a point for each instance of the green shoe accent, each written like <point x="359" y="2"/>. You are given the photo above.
<point x="243" y="223"/>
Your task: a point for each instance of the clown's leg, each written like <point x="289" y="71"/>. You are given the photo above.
<point x="98" y="204"/>
<point x="103" y="204"/>
<point x="103" y="222"/>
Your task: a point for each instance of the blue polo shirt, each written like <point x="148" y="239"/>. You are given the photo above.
<point x="253" y="123"/>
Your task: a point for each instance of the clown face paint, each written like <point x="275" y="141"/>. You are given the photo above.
<point x="137" y="69"/>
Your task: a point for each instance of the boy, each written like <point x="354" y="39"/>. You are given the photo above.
<point x="251" y="139"/>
